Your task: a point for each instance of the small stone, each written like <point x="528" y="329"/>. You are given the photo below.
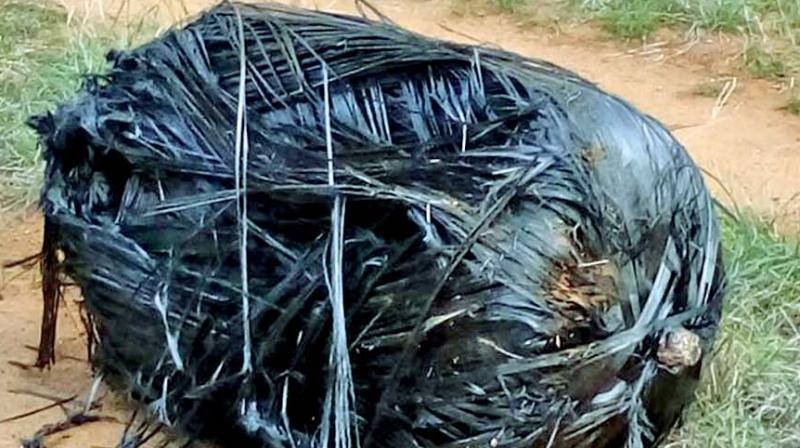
<point x="679" y="349"/>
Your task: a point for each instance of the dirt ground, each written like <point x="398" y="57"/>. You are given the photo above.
<point x="750" y="146"/>
<point x="27" y="389"/>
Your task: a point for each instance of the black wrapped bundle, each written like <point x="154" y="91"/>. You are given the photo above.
<point x="378" y="239"/>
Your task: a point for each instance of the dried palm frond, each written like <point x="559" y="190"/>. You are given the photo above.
<point x="303" y="229"/>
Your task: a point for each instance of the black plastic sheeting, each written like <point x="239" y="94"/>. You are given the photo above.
<point x="377" y="239"/>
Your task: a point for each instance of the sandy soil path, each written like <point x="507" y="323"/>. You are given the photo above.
<point x="752" y="147"/>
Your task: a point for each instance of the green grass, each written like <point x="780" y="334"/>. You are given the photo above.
<point x="42" y="61"/>
<point x="636" y="19"/>
<point x="525" y="12"/>
<point x="508" y="5"/>
<point x="639" y="18"/>
<point x="751" y="389"/>
<point x="793" y="105"/>
<point x="770" y="29"/>
<point x="765" y="64"/>
<point x="776" y="22"/>
<point x="711" y="88"/>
